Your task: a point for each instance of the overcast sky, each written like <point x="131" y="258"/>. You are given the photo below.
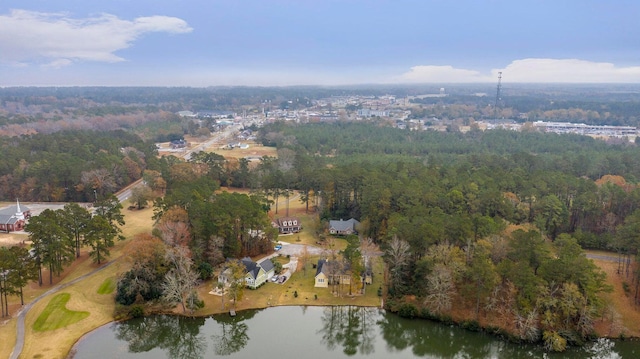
<point x="316" y="42"/>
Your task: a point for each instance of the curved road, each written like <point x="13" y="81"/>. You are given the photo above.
<point x="17" y="349"/>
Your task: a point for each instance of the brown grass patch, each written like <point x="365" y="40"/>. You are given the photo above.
<point x="255" y="150"/>
<point x="8" y="335"/>
<point x="626" y="318"/>
<point x="12" y="239"/>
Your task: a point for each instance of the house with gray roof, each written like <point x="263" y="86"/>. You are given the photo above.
<point x="13" y="218"/>
<point x="257" y="273"/>
<point x="288" y="225"/>
<point x="342" y="227"/>
<point x="330" y="273"/>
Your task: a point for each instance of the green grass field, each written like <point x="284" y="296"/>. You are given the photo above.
<point x="107" y="286"/>
<point x="56" y="315"/>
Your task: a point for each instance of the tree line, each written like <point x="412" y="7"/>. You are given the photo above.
<point x="73" y="166"/>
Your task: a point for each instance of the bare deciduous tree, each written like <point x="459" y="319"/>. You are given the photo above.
<point x="440" y="289"/>
<point x="181" y="280"/>
<point x="398" y="256"/>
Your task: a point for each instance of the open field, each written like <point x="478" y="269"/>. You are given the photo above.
<point x="254" y="151"/>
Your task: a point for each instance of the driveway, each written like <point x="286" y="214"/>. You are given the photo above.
<point x="293" y="249"/>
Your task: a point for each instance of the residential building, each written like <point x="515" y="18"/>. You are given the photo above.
<point x="288" y="225"/>
<point x="342" y="227"/>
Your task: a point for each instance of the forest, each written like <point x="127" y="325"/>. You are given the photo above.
<point x="494" y="222"/>
<point x="72" y="166"/>
<point x="487" y="227"/>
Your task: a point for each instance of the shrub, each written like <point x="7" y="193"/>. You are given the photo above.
<point x="193" y="302"/>
<point x="407" y="310"/>
<point x="136" y="311"/>
<point x="295" y="294"/>
<point x="471" y="325"/>
<point x="205" y="270"/>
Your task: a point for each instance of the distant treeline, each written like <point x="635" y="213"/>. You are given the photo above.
<point x="532" y="151"/>
<point x="71" y="165"/>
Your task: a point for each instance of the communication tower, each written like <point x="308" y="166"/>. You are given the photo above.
<point x="495" y="108"/>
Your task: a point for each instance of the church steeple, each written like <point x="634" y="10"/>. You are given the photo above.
<point x="19" y="213"/>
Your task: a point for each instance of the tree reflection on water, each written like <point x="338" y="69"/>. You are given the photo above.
<point x="355" y="331"/>
<point x="180" y="337"/>
<point x="353" y="328"/>
<point x="231" y="335"/>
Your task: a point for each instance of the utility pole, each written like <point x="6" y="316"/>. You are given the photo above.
<point x="495" y="107"/>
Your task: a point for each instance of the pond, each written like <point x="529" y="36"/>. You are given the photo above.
<point x="314" y="332"/>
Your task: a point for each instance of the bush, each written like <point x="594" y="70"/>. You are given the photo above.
<point x="471" y="325"/>
<point x="205" y="270"/>
<point x="626" y="288"/>
<point x="136" y="311"/>
<point x="141" y="281"/>
<point x="295" y="294"/>
<point x="408" y="311"/>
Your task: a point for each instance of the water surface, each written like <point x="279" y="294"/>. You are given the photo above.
<point x="314" y="333"/>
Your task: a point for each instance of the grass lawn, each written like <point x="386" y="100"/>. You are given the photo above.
<point x="302" y="282"/>
<point x="108" y="286"/>
<point x="84" y="296"/>
<point x="8" y="335"/>
<point x="57" y="315"/>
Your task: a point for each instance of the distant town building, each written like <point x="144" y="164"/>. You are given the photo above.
<point x="186" y="114"/>
<point x="584" y="129"/>
<point x="181" y="143"/>
<point x="367" y="112"/>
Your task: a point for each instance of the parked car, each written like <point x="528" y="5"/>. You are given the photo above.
<point x="274" y="278"/>
<point x="282" y="279"/>
<point x="278" y="247"/>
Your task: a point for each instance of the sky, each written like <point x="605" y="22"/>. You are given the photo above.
<point x="201" y="43"/>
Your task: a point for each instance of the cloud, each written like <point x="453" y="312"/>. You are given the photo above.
<point x="57" y="39"/>
<point x="532" y="70"/>
<point x="568" y="70"/>
<point x="441" y="74"/>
